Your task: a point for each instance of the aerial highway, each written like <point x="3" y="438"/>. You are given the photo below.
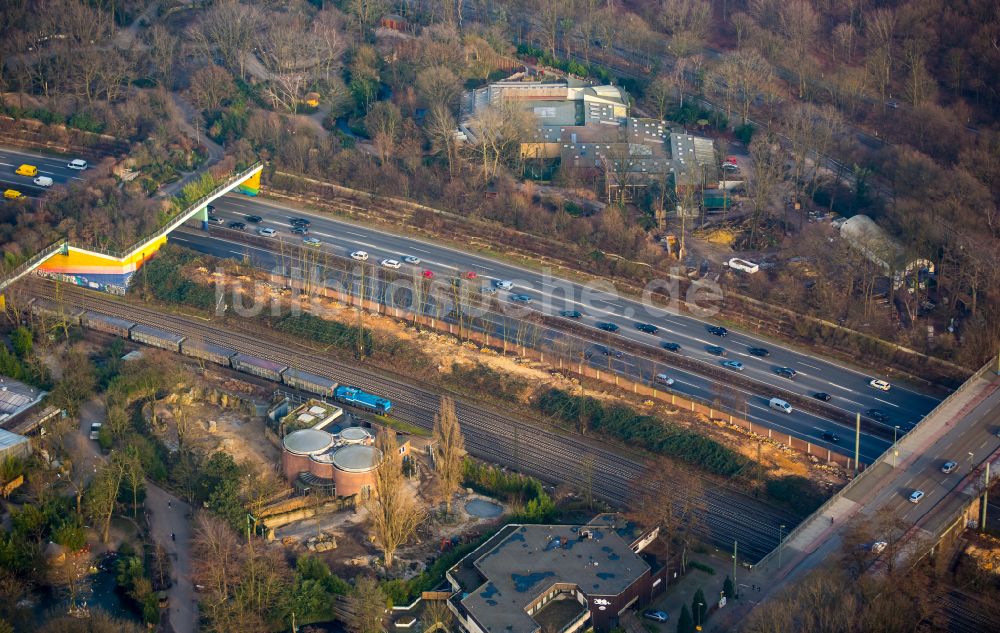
<point x="53" y="166"/>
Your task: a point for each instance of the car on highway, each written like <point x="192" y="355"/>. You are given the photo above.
<point x="879" y="384"/>
<point x="758" y="351"/>
<point x="427" y="274"/>
<point x="520" y="298"/>
<point x="214" y="219"/>
<point x="878" y="415"/>
<point x="733" y="364"/>
<point x="360" y="256"/>
<point x="671" y="347"/>
<point x="715" y="350"/>
<point x="488" y="290"/>
<point x="267" y="232"/>
<point x="503" y="284"/>
<point x="717" y="330"/>
<point x="657" y="616"/>
<point x="779" y="405"/>
<point x="612" y="352"/>
<point x="238" y="226"/>
<point x="390" y="263"/>
<point x="878" y="547"/>
<point x="43" y="181"/>
<point x="949" y="467"/>
<point x="786" y="372"/>
<point x="606" y="326"/>
<point x="300" y="229"/>
<point x="570" y="314"/>
<point x="78" y="164"/>
<point x="410" y="259"/>
<point x="27" y="170"/>
<point x="311" y="241"/>
<point x="256" y="219"/>
<point x="663" y="379"/>
<point x="916" y="496"/>
<point x="470" y="274"/>
<point x="299" y="222"/>
<point x="822" y="395"/>
<point x="647" y="328"/>
<point x="12" y="194"/>
<point x="830" y="437"/>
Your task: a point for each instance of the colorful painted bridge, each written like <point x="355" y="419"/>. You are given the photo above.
<point x="112" y="272"/>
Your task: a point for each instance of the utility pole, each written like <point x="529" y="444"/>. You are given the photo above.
<point x="736" y="587"/>
<point x="985" y="500"/>
<point x="781" y="530"/>
<point x="895" y="430"/>
<point x="857" y="442"/>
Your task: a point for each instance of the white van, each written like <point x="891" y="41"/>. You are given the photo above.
<point x="95" y="430"/>
<point x="780" y="405"/>
<point x="43" y="181"/>
<point x="744" y="265"/>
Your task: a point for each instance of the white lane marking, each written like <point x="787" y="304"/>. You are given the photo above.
<point x="811" y="366"/>
<point x="891" y="404"/>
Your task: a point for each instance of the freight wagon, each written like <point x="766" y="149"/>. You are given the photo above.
<point x="107" y="324"/>
<point x="258" y="367"/>
<point x="364" y="400"/>
<point x="51" y="310"/>
<point x="309" y="382"/>
<point x="157" y="338"/>
<point x="208" y="351"/>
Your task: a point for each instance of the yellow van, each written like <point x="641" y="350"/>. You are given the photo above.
<point x="12" y="194"/>
<point x="27" y="170"/>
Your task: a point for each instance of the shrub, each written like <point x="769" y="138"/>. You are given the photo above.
<point x="703" y="567"/>
<point x="798" y="493"/>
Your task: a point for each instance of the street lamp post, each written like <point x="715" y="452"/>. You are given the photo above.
<point x="895" y="431"/>
<point x="781" y="531"/>
<point x="697" y="617"/>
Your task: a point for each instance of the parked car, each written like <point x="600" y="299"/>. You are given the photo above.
<point x="830" y="437"/>
<point x="410" y="259"/>
<point x="733" y="364"/>
<point x="390" y="263"/>
<point x="949" y="467"/>
<point x="95" y="430"/>
<point x="78" y="164"/>
<point x="663" y="379"/>
<point x="311" y="241"/>
<point x="647" y="328"/>
<point x="715" y="350"/>
<point x="717" y="330"/>
<point x="267" y="231"/>
<point x="878" y="547"/>
<point x="758" y="351"/>
<point x="606" y="326"/>
<point x="786" y="372"/>
<point x="822" y="395"/>
<point x="256" y="219"/>
<point x="360" y="256"/>
<point x="671" y="347"/>
<point x="503" y="284"/>
<point x="916" y="496"/>
<point x="520" y="298"/>
<point x="571" y="314"/>
<point x="880" y="384"/>
<point x="878" y="415"/>
<point x="658" y="616"/>
<point x="238" y="226"/>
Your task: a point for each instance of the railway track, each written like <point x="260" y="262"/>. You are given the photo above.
<point x="501" y="438"/>
<point x="967" y="614"/>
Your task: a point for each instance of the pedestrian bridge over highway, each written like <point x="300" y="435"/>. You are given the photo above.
<point x="112" y="271"/>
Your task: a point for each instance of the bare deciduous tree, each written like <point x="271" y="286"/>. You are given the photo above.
<point x="672" y="498"/>
<point x="393" y="513"/>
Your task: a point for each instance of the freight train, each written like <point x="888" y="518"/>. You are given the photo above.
<point x="202" y="350"/>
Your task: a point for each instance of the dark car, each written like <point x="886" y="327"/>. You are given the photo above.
<point x="520" y="298"/>
<point x="299" y="222"/>
<point x="717" y="330"/>
<point x="822" y="395"/>
<point x="759" y="351"/>
<point x="239" y="226"/>
<point x="571" y="314"/>
<point x="646" y="327"/>
<point x="878" y="415"/>
<point x="831" y="437"/>
<point x="607" y="327"/>
<point x="672" y="347"/>
<point x="786" y="372"/>
<point x="300" y="230"/>
<point x="256" y="219"/>
<point x="214" y="219"/>
<point x="612" y="352"/>
<point x="715" y="349"/>
<point x="210" y="208"/>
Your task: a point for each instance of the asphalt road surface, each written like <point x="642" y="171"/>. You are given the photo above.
<point x="848" y="386"/>
<point x="48" y="165"/>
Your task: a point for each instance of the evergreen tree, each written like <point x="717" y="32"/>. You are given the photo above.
<point x="699" y="611"/>
<point x="728" y="588"/>
<point x="685" y="624"/>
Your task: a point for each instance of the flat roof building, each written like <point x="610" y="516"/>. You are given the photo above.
<point x="553" y="577"/>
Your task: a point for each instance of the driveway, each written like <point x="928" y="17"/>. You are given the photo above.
<point x="169" y="515"/>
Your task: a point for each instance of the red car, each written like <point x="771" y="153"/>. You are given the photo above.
<point x="471" y="275"/>
<point x="427" y="274"/>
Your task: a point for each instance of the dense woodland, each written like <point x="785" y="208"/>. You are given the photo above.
<point x="903" y="94"/>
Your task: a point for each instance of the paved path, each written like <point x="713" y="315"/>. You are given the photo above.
<point x="169" y="515"/>
<point x="190" y="117"/>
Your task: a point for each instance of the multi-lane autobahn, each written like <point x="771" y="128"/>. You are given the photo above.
<point x="55" y="167"/>
<point x="848" y="387"/>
